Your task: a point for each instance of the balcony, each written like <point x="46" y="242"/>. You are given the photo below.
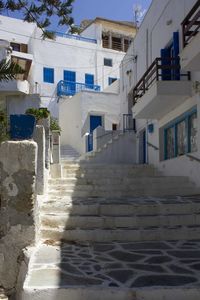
<point x="14" y="87"/>
<point x="190" y="55"/>
<point x="68" y="88"/>
<point x="161" y="89"/>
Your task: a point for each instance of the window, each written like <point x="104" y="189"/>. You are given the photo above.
<point x="69" y="76"/>
<point x="48" y="75"/>
<point x="108" y="62"/>
<point x="111" y="80"/>
<point x="19" y="47"/>
<point x="181" y="136"/>
<point x="89" y="81"/>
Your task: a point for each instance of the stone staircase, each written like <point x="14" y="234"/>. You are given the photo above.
<point x="103" y="231"/>
<point x="114" y="150"/>
<point x="68" y="153"/>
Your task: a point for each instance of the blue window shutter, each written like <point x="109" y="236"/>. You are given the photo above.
<point x="165" y="55"/>
<point x="48" y="75"/>
<point x="69" y="76"/>
<point x="89" y="79"/>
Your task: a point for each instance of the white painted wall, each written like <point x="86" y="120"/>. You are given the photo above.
<point x="74" y="115"/>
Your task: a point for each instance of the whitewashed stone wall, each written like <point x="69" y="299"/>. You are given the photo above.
<point x="17" y="195"/>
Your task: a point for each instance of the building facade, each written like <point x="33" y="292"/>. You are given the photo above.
<point x="66" y="65"/>
<point x="160" y="85"/>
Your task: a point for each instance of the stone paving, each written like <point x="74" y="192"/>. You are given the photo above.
<point x="129" y="265"/>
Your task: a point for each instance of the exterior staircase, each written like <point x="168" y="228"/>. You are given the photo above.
<point x="68" y="153"/>
<point x="95" y="207"/>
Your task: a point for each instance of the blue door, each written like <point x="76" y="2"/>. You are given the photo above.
<point x="142" y="147"/>
<point x="70" y="77"/>
<point x="95" y="121"/>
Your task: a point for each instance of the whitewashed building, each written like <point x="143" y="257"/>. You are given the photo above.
<point x="89" y="60"/>
<point x="161" y="87"/>
<point x="57" y="70"/>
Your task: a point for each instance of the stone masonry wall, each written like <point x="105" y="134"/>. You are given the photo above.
<point x="17" y="198"/>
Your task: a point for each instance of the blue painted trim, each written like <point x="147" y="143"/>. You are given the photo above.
<point x="173" y="124"/>
<point x="76" y="37"/>
<point x="69" y="88"/>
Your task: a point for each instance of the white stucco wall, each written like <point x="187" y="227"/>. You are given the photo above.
<point x="74" y="115"/>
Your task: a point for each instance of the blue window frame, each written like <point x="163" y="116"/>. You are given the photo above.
<point x="48" y="75"/>
<point x="69" y="76"/>
<point x="180" y="136"/>
<point x="111" y="80"/>
<point x="89" y="81"/>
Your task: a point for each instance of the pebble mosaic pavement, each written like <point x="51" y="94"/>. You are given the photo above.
<point x="130" y="265"/>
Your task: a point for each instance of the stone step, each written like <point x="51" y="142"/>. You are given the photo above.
<point x="122" y="235"/>
<point x="120" y="207"/>
<point x="123" y="180"/>
<point x="111" y="222"/>
<point x="153" y="190"/>
<point x="112" y="186"/>
<point x="114" y="271"/>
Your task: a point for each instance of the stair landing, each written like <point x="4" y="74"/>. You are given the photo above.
<point x="123" y="271"/>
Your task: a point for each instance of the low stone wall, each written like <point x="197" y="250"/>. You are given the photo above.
<point x="17" y="199"/>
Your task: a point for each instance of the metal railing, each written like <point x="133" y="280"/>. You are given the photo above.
<point x="191" y="24"/>
<point x="68" y="88"/>
<point x="160" y="69"/>
<point x="129" y="123"/>
<point x="76" y="37"/>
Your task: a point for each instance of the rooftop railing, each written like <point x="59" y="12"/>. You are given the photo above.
<point x="160" y="69"/>
<point x="191" y="24"/>
<point x="68" y="88"/>
<point x="76" y="37"/>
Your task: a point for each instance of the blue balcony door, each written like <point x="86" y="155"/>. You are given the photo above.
<point x="95" y="121"/>
<point x="89" y="81"/>
<point x="171" y="51"/>
<point x="70" y="78"/>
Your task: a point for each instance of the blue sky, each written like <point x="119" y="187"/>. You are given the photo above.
<point x="121" y="10"/>
<point x="111" y="9"/>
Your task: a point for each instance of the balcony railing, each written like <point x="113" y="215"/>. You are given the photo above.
<point x="160" y="69"/>
<point x="191" y="24"/>
<point x="76" y="37"/>
<point x="68" y="88"/>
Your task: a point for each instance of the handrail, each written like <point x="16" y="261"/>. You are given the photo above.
<point x="191" y="24"/>
<point x="70" y="88"/>
<point x="152" y="74"/>
<point x="193" y="157"/>
<point x="153" y="146"/>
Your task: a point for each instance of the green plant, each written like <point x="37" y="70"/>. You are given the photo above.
<point x="54" y="124"/>
<point x="39" y="113"/>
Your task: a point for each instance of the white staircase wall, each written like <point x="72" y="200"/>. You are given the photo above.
<point x="120" y="149"/>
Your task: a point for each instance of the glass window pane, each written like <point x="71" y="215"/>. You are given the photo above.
<point x="181" y="138"/>
<point x="193" y="132"/>
<point x="170" y="143"/>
